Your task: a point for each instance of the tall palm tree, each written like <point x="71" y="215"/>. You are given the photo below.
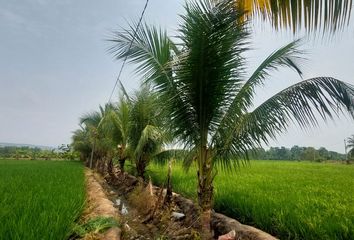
<point x="203" y="82"/>
<point x="323" y="15"/>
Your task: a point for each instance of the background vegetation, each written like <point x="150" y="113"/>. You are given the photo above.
<point x="297" y="153"/>
<point x="26" y="152"/>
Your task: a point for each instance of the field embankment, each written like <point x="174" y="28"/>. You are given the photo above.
<point x="291" y="200"/>
<point x="99" y="208"/>
<point x="40" y="199"/>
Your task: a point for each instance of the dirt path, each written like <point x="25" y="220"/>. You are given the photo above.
<point x="98" y="205"/>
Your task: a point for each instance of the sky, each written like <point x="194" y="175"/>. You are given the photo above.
<point x="54" y="66"/>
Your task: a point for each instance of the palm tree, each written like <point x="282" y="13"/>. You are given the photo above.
<point x="203" y="82"/>
<point x="101" y="146"/>
<point x="350" y="145"/>
<point x="81" y="143"/>
<point x="91" y="122"/>
<point x="313" y="15"/>
<point x="146" y="136"/>
<point x="117" y="127"/>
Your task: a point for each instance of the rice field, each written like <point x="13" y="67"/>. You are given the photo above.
<point x="291" y="200"/>
<point x="40" y="199"/>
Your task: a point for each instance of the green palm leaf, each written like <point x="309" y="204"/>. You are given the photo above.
<point x="301" y="103"/>
<point x="150" y="141"/>
<point x="287" y="56"/>
<point x="150" y="50"/>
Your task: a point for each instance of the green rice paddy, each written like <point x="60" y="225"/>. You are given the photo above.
<point x="291" y="200"/>
<point x="40" y="199"/>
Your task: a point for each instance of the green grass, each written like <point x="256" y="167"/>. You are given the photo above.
<point x="291" y="200"/>
<point x="40" y="199"/>
<point x="94" y="225"/>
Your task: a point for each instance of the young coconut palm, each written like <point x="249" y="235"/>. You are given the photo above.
<point x="203" y="81"/>
<point x="146" y="135"/>
<point x="100" y="144"/>
<point x="81" y="143"/>
<point x="117" y="126"/>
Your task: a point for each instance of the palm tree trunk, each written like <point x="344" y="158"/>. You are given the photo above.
<point x="168" y="197"/>
<point x="102" y="164"/>
<point x="110" y="166"/>
<point x="140" y="167"/>
<point x="93" y="150"/>
<point x="205" y="193"/>
<point x="122" y="157"/>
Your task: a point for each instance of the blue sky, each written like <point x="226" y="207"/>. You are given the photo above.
<point x="54" y="66"/>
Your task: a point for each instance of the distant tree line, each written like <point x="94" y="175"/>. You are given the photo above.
<point x="297" y="153"/>
<point x="35" y="153"/>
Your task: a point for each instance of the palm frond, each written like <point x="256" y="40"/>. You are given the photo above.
<point x="143" y="112"/>
<point x="80" y="141"/>
<point x="150" y="51"/>
<point x="209" y="68"/>
<point x="313" y="15"/>
<point x="164" y="156"/>
<point x="122" y="119"/>
<point x="189" y="158"/>
<point x="91" y="118"/>
<point x="150" y="141"/>
<point x="301" y="103"/>
<point x="287" y="56"/>
<point x="112" y="127"/>
<point x="116" y="122"/>
<point x="124" y="91"/>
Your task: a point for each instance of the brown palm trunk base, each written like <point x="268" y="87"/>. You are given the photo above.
<point x="100" y="165"/>
<point x="110" y="167"/>
<point x="205" y="218"/>
<point x="205" y="201"/>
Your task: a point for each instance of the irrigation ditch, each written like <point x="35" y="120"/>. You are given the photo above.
<point x="144" y="212"/>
